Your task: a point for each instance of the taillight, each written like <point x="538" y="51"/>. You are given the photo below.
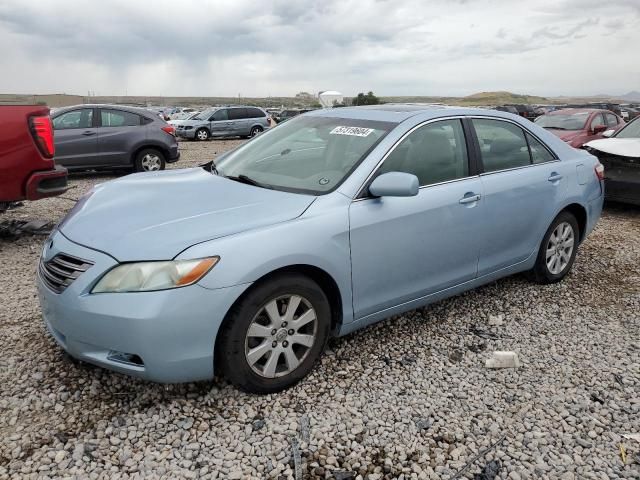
<point x="42" y="132"/>
<point x="599" y="169"/>
<point x="169" y="129"/>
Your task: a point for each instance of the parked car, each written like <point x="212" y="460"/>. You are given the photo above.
<point x="629" y="113"/>
<point x="330" y="222"/>
<point x="287" y="114"/>
<point x="27" y="167"/>
<point x="620" y="155"/>
<point x="576" y="126"/>
<point x="526" y="111"/>
<point x="233" y="121"/>
<point x="507" y="108"/>
<point x="180" y="121"/>
<point x="111" y="136"/>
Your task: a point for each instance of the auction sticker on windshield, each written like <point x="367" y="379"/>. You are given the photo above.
<point x="353" y="131"/>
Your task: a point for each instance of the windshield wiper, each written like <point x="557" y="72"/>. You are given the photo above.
<point x="247" y="180"/>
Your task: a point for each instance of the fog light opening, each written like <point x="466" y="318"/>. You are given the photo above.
<point x="128" y="358"/>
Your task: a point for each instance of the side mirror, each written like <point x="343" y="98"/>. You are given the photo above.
<point x="395" y="184"/>
<point x="608" y="133"/>
<point x="599" y="129"/>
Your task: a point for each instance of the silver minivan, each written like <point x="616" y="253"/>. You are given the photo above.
<point x="236" y="121"/>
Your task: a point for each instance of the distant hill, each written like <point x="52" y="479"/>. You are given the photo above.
<point x="633" y="96"/>
<point x="481" y="98"/>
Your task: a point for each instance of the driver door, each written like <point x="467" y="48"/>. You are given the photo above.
<point x="407" y="248"/>
<point x="76" y="138"/>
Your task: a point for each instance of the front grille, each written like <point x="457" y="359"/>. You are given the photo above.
<point x="60" y="272"/>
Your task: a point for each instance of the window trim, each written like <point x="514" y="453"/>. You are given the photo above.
<point x="482" y="171"/>
<point x="363" y="191"/>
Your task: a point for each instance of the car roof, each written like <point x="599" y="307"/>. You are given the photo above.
<point x="397" y="112"/>
<point x="572" y="111"/>
<point x="126" y="108"/>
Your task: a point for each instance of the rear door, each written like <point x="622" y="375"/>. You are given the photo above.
<point x="255" y="116"/>
<point x="523" y="185"/>
<point x="118" y="132"/>
<point x="76" y="138"/>
<point x="239" y="122"/>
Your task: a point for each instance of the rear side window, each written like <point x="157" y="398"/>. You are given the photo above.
<point x="612" y="120"/>
<point x="502" y="145"/>
<point x="434" y="153"/>
<point x="82" y="118"/>
<point x="255" y="113"/>
<point x="539" y="154"/>
<point x="237" y="113"/>
<point x="219" y="116"/>
<point x="119" y="118"/>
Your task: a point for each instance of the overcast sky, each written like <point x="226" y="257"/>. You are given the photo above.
<point x="260" y="48"/>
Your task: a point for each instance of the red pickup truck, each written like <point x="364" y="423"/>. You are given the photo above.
<point x="27" y="168"/>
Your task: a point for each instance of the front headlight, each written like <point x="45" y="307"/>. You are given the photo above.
<point x="150" y="276"/>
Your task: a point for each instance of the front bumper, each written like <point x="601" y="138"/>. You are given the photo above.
<point x="190" y="134"/>
<point x="166" y="336"/>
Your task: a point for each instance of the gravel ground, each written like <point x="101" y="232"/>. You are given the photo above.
<point x="407" y="398"/>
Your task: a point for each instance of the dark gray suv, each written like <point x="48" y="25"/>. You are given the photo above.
<point x="236" y="121"/>
<point x="110" y="136"/>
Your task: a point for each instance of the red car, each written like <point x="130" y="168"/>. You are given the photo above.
<point x="577" y="126"/>
<point x="27" y="168"/>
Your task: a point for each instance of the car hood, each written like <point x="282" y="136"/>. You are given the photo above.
<point x="156" y="215"/>
<point x="566" y="135"/>
<point x="626" y="147"/>
<point x="192" y="123"/>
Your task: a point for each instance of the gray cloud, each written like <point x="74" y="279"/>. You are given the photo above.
<point x="280" y="47"/>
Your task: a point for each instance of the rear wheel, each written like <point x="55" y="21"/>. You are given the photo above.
<point x="255" y="131"/>
<point x="202" y="134"/>
<point x="558" y="250"/>
<point x="149" y="160"/>
<point x="274" y="336"/>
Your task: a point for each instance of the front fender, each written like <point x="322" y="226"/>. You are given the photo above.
<point x="318" y="238"/>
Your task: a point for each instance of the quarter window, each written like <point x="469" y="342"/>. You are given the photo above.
<point x="539" y="154"/>
<point x="255" y="113"/>
<point x="434" y="153"/>
<point x="502" y="145"/>
<point x="237" y="113"/>
<point x="75" y="119"/>
<point x="119" y="118"/>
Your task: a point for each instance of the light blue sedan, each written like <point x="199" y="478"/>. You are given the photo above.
<point x="327" y="223"/>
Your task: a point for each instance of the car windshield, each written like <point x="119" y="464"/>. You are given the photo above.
<point x="306" y="154"/>
<point x="560" y="121"/>
<point x="203" y="115"/>
<point x="631" y="130"/>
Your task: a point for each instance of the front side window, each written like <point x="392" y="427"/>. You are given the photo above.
<point x="82" y="118"/>
<point x="119" y="118"/>
<point x="612" y="120"/>
<point x="219" y="116"/>
<point x="306" y="154"/>
<point x="435" y="152"/>
<point x="631" y="130"/>
<point x="502" y="145"/>
<point x="237" y="113"/>
<point x="596" y="121"/>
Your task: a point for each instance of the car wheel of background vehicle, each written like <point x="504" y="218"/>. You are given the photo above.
<point x="273" y="336"/>
<point x="202" y="134"/>
<point x="149" y="160"/>
<point x="255" y="131"/>
<point x="557" y="250"/>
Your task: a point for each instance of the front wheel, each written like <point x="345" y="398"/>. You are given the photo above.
<point x="273" y="337"/>
<point x="202" y="134"/>
<point x="557" y="250"/>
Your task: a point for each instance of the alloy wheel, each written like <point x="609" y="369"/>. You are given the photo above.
<point x="202" y="135"/>
<point x="151" y="162"/>
<point x="559" y="248"/>
<point x="281" y="336"/>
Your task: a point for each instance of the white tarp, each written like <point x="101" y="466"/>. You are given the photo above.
<point x="626" y="147"/>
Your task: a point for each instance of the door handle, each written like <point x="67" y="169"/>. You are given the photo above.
<point x="88" y="133"/>
<point x="469" y="198"/>
<point x="555" y="177"/>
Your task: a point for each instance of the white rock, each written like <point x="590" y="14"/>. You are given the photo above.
<point x="502" y="359"/>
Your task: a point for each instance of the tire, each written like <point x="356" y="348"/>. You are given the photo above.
<point x="547" y="270"/>
<point x="246" y="361"/>
<point x="149" y="160"/>
<point x="202" y="134"/>
<point x="255" y="131"/>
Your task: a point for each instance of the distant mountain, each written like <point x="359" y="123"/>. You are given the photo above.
<point x="633" y="96"/>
